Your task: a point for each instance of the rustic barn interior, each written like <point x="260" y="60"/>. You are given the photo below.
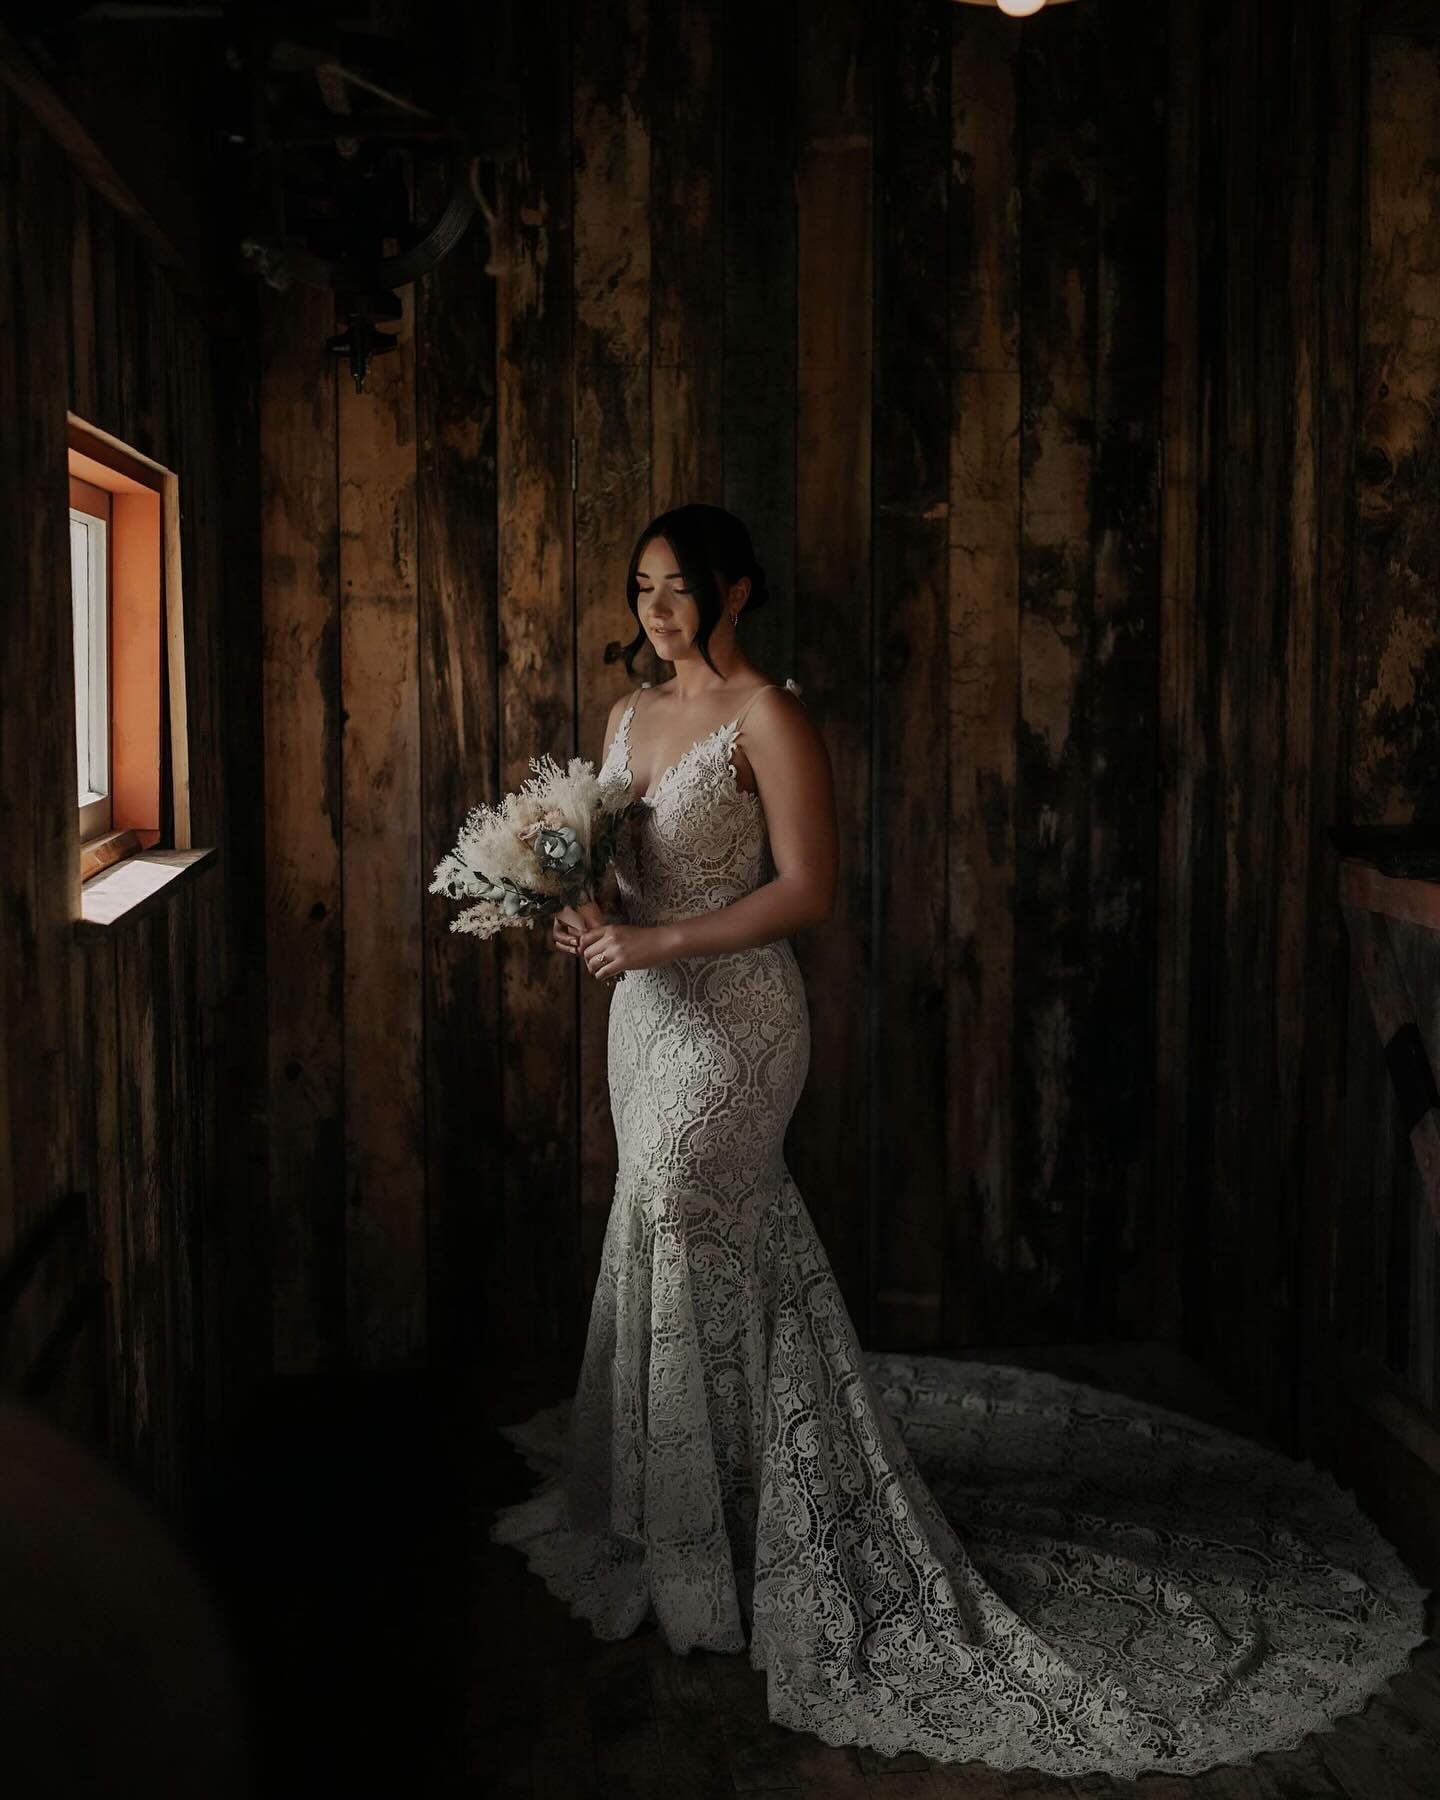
<point x="1078" y="380"/>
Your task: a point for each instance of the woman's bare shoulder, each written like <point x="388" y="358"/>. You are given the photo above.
<point x="780" y="709"/>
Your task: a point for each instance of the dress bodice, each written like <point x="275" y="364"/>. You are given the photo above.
<point x="702" y="842"/>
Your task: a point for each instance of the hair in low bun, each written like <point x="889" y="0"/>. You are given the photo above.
<point x="706" y="540"/>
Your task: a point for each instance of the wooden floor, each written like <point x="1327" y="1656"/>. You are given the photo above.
<point x="395" y="1650"/>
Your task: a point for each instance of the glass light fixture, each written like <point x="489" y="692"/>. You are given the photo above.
<point x="1017" y="9"/>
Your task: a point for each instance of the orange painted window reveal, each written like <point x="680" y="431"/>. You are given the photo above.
<point x="136" y="612"/>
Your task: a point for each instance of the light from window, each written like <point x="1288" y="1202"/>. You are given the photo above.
<point x="88" y="563"/>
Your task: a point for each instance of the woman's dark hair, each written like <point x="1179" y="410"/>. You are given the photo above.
<point x="704" y="538"/>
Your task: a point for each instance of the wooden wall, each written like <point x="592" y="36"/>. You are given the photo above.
<point x="124" y="1267"/>
<point x="1074" y="378"/>
<point x="895" y="295"/>
<point x="1300" y="674"/>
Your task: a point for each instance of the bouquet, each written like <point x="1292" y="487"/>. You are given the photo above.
<point x="544" y="847"/>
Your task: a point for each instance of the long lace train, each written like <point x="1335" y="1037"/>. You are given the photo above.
<point x="975" y="1560"/>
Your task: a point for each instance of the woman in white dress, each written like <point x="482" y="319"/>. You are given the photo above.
<point x="962" y="1559"/>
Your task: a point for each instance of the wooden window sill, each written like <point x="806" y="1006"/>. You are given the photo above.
<point x="134" y="886"/>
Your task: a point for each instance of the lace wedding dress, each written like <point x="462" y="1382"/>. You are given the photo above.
<point x="958" y="1558"/>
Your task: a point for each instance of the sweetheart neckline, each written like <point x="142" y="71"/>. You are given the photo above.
<point x="680" y="760"/>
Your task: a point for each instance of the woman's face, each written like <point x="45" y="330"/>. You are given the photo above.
<point x="667" y="608"/>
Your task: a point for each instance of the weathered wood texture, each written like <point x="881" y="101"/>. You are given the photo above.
<point x="923" y="295"/>
<point x="1035" y="356"/>
<point x="456" y="440"/>
<point x="812" y="271"/>
<point x="1300" y="688"/>
<point x="109" y="1052"/>
<point x="928" y="329"/>
<point x="1396" y="777"/>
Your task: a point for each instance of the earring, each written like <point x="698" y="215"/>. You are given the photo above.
<point x="734" y="618"/>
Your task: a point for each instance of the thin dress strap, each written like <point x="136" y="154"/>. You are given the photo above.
<point x="739" y="718"/>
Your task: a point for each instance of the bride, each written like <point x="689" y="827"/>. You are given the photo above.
<point x="963" y="1559"/>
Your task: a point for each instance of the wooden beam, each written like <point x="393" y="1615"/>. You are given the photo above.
<point x="20" y="74"/>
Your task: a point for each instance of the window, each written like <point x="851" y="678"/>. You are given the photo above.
<point x="122" y="510"/>
<point x="90" y="588"/>
<point x="132" y="732"/>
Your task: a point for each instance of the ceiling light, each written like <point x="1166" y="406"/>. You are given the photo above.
<point x="1017" y="9"/>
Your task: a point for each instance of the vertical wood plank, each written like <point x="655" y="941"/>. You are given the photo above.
<point x="911" y="499"/>
<point x="757" y="282"/>
<point x="537" y="674"/>
<point x="303" y="796"/>
<point x="189" y="1183"/>
<point x="834" y="363"/>
<point x="107" y="1200"/>
<point x="688" y="283"/>
<point x="380" y="838"/>
<point x="1396" y="775"/>
<point x="104" y="233"/>
<point x="152" y="355"/>
<point x="1180" y="741"/>
<point x="1203" y="941"/>
<point x="1341" y="225"/>
<point x="141" y="1208"/>
<point x="129" y="331"/>
<point x="238" y="1324"/>
<point x="1259" y="699"/>
<point x="157" y="1183"/>
<point x="1118" y="1055"/>
<point x="1238" y="600"/>
<point x="984" y="617"/>
<point x="17" y="873"/>
<point x="195" y="437"/>
<point x="37" y="691"/>
<point x="1059" y="84"/>
<point x="456" y="532"/>
<point x="84" y="373"/>
<point x="613" y="498"/>
<point x="1295" y="923"/>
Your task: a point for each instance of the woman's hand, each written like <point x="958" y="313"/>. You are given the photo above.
<point x="610" y="949"/>
<point x="570" y="921"/>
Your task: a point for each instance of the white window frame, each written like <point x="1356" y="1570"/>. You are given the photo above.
<point x="90" y="597"/>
